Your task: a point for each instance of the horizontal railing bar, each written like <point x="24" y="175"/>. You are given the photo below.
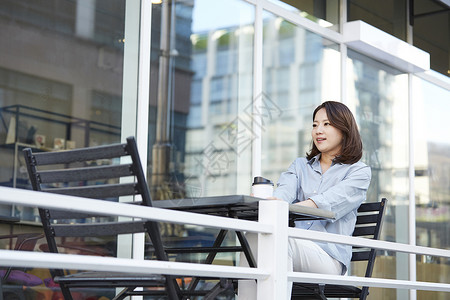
<point x="367" y="281"/>
<point x="126" y="265"/>
<point x="95" y="263"/>
<point x="363" y="242"/>
<point x="82" y="262"/>
<point x="108" y="208"/>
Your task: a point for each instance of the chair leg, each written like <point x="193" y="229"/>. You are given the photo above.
<point x="123" y="293"/>
<point x="221" y="286"/>
<point x="66" y="292"/>
<point x="321" y="292"/>
<point x="247" y="250"/>
<point x="173" y="290"/>
<point x="317" y="292"/>
<point x="210" y="258"/>
<point x="364" y="293"/>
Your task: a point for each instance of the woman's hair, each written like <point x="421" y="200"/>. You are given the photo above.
<point x="342" y="118"/>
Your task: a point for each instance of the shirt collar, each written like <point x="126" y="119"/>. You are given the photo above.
<point x="316" y="160"/>
<point x="315" y="163"/>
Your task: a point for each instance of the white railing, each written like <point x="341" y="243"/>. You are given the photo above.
<point x="271" y="273"/>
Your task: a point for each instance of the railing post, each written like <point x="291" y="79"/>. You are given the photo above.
<point x="273" y="250"/>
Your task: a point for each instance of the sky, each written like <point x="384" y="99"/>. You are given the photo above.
<point x="234" y="12"/>
<point x="436" y="103"/>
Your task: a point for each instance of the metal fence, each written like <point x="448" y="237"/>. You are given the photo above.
<point x="271" y="273"/>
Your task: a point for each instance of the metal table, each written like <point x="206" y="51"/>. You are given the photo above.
<point x="235" y="206"/>
<point x="239" y="206"/>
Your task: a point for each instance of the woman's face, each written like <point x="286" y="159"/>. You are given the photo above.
<point x="327" y="138"/>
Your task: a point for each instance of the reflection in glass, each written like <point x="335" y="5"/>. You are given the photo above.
<point x="200" y="91"/>
<point x="323" y="12"/>
<point x="61" y="69"/>
<point x="300" y="70"/>
<point x="378" y="96"/>
<point x="389" y="16"/>
<point x="427" y="17"/>
<point x="60" y="79"/>
<point x="201" y="84"/>
<point x="432" y="180"/>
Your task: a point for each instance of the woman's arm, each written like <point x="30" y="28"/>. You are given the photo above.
<point x="347" y="194"/>
<point x="308" y="203"/>
<point x="287" y="185"/>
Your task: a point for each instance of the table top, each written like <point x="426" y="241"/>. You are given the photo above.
<point x="240" y="206"/>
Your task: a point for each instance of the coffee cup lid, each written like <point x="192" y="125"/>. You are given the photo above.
<point x="261" y="180"/>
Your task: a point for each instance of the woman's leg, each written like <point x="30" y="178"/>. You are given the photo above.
<point x="307" y="256"/>
<point x="303" y="256"/>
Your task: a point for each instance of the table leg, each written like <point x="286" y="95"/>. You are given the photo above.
<point x="210" y="258"/>
<point x="247" y="250"/>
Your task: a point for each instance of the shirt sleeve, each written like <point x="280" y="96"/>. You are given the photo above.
<point x="287" y="184"/>
<point x="346" y="195"/>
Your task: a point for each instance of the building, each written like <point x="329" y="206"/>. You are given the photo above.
<point x="219" y="91"/>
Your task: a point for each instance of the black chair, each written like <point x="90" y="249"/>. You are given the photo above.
<point x="368" y="224"/>
<point x="98" y="173"/>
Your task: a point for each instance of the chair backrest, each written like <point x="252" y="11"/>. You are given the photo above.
<point x="368" y="225"/>
<point x="102" y="172"/>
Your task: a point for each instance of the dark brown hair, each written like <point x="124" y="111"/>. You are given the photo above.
<point x="342" y="118"/>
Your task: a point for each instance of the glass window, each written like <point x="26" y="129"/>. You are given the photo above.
<point x="52" y="15"/>
<point x="296" y="71"/>
<point x="108" y="27"/>
<point x="378" y="95"/>
<point x="201" y="92"/>
<point x="323" y="12"/>
<point x="432" y="180"/>
<point x="199" y="137"/>
<point x="60" y="78"/>
<point x="106" y="108"/>
<point x="428" y="15"/>
<point x="387" y="15"/>
<point x="61" y="73"/>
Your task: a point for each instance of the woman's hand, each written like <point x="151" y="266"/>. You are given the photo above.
<point x="274" y="198"/>
<point x="308" y="203"/>
<point x="268" y="198"/>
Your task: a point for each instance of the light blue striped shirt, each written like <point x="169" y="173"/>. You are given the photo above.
<point x="341" y="189"/>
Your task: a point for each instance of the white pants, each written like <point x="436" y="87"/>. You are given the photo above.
<point x="303" y="256"/>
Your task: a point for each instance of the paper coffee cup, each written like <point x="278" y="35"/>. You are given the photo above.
<point x="262" y="187"/>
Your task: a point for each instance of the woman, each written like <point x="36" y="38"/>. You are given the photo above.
<point x="330" y="177"/>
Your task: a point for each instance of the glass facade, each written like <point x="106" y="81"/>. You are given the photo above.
<point x="232" y="87"/>
<point x="201" y="131"/>
<point x="431" y="31"/>
<point x="431" y="181"/>
<point x="323" y="12"/>
<point x="378" y="95"/>
<point x="61" y="75"/>
<point x="389" y="16"/>
<point x="61" y="87"/>
<point x="300" y="70"/>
